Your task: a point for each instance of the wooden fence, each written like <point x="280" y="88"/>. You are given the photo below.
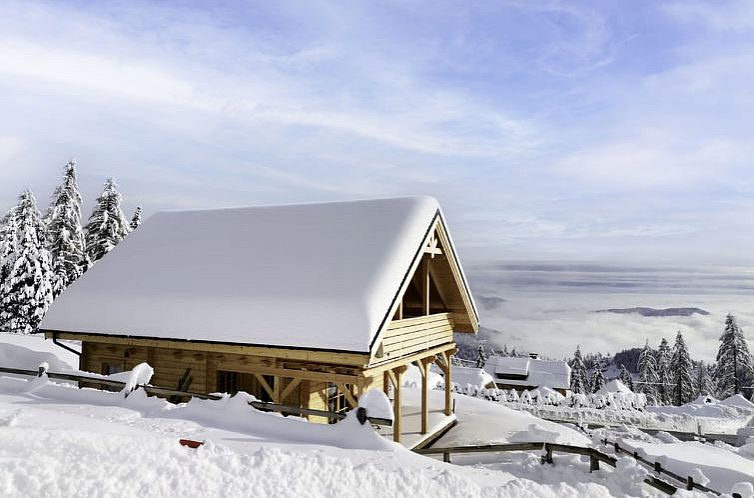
<point x="595" y="457"/>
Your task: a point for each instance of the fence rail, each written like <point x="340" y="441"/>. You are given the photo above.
<point x="595" y="457"/>
<point x="163" y="391"/>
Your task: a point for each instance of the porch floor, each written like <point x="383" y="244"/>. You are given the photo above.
<point x="411" y="436"/>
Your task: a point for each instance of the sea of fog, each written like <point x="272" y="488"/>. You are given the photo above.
<point x="551" y="307"/>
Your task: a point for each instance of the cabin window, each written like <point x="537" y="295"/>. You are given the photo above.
<point x="109" y="368"/>
<point x="227" y="382"/>
<point x="336" y="400"/>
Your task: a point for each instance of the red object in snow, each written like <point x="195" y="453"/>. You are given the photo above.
<point x="190" y="443"/>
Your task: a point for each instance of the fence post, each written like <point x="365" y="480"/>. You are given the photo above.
<point x="547" y="457"/>
<point x="690" y="483"/>
<point x="594" y="464"/>
<point x="658" y="467"/>
<point x="446" y="457"/>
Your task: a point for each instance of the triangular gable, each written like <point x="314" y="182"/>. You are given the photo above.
<point x="446" y="277"/>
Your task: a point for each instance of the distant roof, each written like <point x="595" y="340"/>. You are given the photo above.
<point x="529" y="372"/>
<point x="319" y="276"/>
<point x="477" y="377"/>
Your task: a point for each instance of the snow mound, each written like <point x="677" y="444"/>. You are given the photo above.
<point x="377" y="404"/>
<point x="535" y="432"/>
<point x="14" y="356"/>
<point x="614" y="386"/>
<point x="704" y="399"/>
<point x="739" y="402"/>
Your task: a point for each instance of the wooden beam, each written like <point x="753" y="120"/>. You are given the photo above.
<point x="425" y="286"/>
<point x="400" y="309"/>
<point x="334" y="357"/>
<point x="392" y="362"/>
<point x="347" y="393"/>
<point x="291" y="373"/>
<point x="386" y="383"/>
<point x="263" y="382"/>
<point x="289" y="389"/>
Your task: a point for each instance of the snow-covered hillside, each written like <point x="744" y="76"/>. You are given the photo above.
<point x="60" y="441"/>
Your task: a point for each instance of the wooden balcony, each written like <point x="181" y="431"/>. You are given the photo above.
<point x="411" y="335"/>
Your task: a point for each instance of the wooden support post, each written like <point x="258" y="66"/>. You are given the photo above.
<point x="446" y="457"/>
<point x="289" y="389"/>
<point x="448" y="385"/>
<point x="277" y="383"/>
<point x="424" y="369"/>
<point x="547" y="457"/>
<point x="386" y="383"/>
<point x="396" y="376"/>
<point x="658" y="467"/>
<point x="690" y="483"/>
<point x="594" y="464"/>
<point x="400" y="309"/>
<point x="347" y="394"/>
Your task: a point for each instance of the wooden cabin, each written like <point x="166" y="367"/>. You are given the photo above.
<point x="527" y="373"/>
<point x="306" y="305"/>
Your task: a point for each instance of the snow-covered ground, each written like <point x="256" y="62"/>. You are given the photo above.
<point x="57" y="440"/>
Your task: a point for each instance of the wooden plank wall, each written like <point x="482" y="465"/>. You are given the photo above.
<point x="411" y="335"/>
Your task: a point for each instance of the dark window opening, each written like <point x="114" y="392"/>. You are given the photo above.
<point x="227" y="382"/>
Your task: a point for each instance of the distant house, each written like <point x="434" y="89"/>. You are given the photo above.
<point x="476" y="377"/>
<point x="307" y="305"/>
<point x="526" y="373"/>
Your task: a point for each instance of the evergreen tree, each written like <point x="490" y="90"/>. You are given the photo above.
<point x="481" y="357"/>
<point x="598" y="379"/>
<point x="648" y="373"/>
<point x="8" y="243"/>
<point x="663" y="373"/>
<point x="136" y="220"/>
<point x="625" y="377"/>
<point x="65" y="237"/>
<point x="733" y="359"/>
<point x="682" y="376"/>
<point x="26" y="292"/>
<point x="107" y="225"/>
<point x="579" y="379"/>
<point x="703" y="382"/>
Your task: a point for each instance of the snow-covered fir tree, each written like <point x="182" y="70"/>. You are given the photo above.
<point x="136" y="219"/>
<point x="648" y="373"/>
<point x="26" y="292"/>
<point x="597" y="381"/>
<point x="8" y="242"/>
<point x="625" y="377"/>
<point x="107" y="225"/>
<point x="481" y="357"/>
<point x="65" y="237"/>
<point x="664" y="356"/>
<point x="733" y="360"/>
<point x="703" y="384"/>
<point x="579" y="379"/>
<point x="682" y="372"/>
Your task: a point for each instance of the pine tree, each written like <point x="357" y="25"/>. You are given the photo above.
<point x="136" y="220"/>
<point x="625" y="377"/>
<point x="27" y="290"/>
<point x="648" y="373"/>
<point x="682" y="376"/>
<point x="107" y="225"/>
<point x="703" y="382"/>
<point x="481" y="357"/>
<point x="663" y="373"/>
<point x="8" y="242"/>
<point x="65" y="237"/>
<point x="733" y="359"/>
<point x="579" y="380"/>
<point x="598" y="379"/>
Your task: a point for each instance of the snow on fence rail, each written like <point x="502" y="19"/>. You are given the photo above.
<point x="595" y="457"/>
<point x="611" y="409"/>
<point x="127" y="387"/>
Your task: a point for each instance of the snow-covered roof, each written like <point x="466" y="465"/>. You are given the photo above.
<point x="477" y="377"/>
<point x="318" y="276"/>
<point x="614" y="386"/>
<point x="535" y="372"/>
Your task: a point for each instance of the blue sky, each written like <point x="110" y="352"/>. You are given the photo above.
<point x="597" y="130"/>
